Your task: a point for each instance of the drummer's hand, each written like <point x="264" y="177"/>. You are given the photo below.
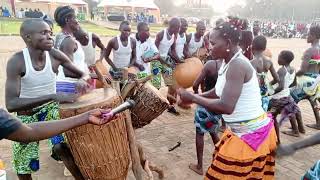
<point x="100" y="116"/>
<point x="82" y="86"/>
<point x="185" y="96"/>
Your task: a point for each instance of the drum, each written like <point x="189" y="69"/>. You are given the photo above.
<point x="149" y="105"/>
<point x="103" y="70"/>
<point x="100" y="152"/>
<point x="186" y="73"/>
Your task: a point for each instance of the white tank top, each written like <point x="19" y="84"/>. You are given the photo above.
<point x="288" y="80"/>
<point x="165" y="44"/>
<point x="78" y="60"/>
<point x="249" y="105"/>
<point x="122" y="56"/>
<point x="37" y="83"/>
<point x="193" y="45"/>
<point x="180" y="42"/>
<point x="89" y="51"/>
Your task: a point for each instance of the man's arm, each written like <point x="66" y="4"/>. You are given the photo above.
<point x="66" y="63"/>
<point x="68" y="46"/>
<point x="286" y="150"/>
<point x="109" y="48"/>
<point x="186" y="47"/>
<point x="274" y="74"/>
<point x="133" y="59"/>
<point x="12" y="88"/>
<point x="173" y="52"/>
<point x="44" y="130"/>
<point x="305" y="63"/>
<point x="99" y="43"/>
<point x="282" y="74"/>
<point x="200" y="78"/>
<point x="159" y="38"/>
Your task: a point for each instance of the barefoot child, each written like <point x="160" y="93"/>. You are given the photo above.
<point x="262" y="66"/>
<point x="205" y="121"/>
<point x="281" y="102"/>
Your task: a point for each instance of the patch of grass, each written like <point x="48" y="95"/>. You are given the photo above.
<point x="13" y="27"/>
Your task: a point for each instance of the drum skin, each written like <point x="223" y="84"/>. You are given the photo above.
<point x="186" y="73"/>
<point x="100" y="152"/>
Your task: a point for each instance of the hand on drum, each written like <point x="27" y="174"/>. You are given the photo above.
<point x="186" y="97"/>
<point x="100" y="116"/>
<point x="82" y="86"/>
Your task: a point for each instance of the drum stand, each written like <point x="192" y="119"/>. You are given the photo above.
<point x="138" y="158"/>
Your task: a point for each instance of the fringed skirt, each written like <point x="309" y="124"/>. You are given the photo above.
<point x="234" y="159"/>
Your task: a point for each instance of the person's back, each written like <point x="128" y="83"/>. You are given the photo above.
<point x="263" y="65"/>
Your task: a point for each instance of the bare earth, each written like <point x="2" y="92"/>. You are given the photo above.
<point x="167" y="130"/>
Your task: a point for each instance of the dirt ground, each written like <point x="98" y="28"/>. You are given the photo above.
<point x="165" y="131"/>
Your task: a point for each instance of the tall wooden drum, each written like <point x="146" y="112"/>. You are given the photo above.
<point x="101" y="152"/>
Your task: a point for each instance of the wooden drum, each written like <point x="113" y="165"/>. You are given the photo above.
<point x="149" y="105"/>
<point x="101" y="152"/>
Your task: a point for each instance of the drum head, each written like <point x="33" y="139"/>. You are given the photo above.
<point x="150" y="87"/>
<point x="93" y="98"/>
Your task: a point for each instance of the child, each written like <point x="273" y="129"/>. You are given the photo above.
<point x="205" y="121"/>
<point x="263" y="65"/>
<point x="281" y="101"/>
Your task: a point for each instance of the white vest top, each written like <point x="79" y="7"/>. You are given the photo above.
<point x="180" y="42"/>
<point x="89" y="51"/>
<point x="193" y="45"/>
<point x="122" y="56"/>
<point x="165" y="44"/>
<point x="288" y="80"/>
<point x="37" y="83"/>
<point x="249" y="105"/>
<point x="78" y="60"/>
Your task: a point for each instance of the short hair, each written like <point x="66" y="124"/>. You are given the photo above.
<point x="288" y="56"/>
<point x="48" y="20"/>
<point x="141" y="25"/>
<point x="315" y="30"/>
<point x="259" y="43"/>
<point x="61" y="13"/>
<point x="127" y="23"/>
<point x="199" y="23"/>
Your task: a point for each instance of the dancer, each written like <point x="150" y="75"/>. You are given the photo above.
<point x="180" y="46"/>
<point x="281" y="102"/>
<point x="236" y="96"/>
<point x="262" y="66"/>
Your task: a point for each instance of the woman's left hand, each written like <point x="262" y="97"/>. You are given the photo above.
<point x="185" y="96"/>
